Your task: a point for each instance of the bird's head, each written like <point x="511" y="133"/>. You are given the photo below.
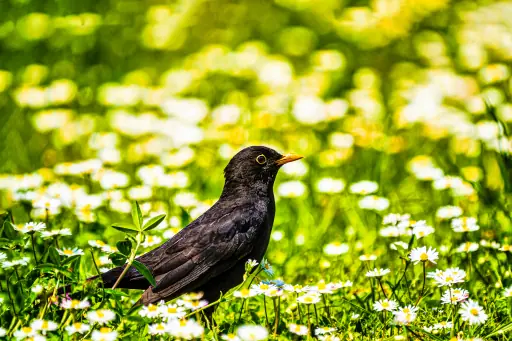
<point x="256" y="166"/>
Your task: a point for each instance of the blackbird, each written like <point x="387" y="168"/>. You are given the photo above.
<point x="210" y="253"/>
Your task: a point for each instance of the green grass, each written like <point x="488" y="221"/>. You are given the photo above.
<point x="103" y="105"/>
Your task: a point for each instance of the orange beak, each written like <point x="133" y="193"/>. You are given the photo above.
<point x="288" y="158"/>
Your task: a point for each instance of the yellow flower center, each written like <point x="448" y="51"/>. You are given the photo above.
<point x="26" y="330"/>
<point x="152" y="307"/>
<point x="423" y="257"/>
<point x="474" y="311"/>
<point x="385" y="304"/>
<point x="160" y="327"/>
<point x="105" y="330"/>
<point x="100" y="314"/>
<point x="67" y="252"/>
<point x="77" y="325"/>
<point x="172" y="310"/>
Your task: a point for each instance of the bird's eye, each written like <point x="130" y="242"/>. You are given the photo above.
<point x="261" y="159"/>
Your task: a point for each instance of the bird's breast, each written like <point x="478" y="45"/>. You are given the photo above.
<point x="264" y="231"/>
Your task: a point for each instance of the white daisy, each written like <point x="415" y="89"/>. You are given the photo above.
<point x="448" y="277"/>
<point x="336" y="248"/>
<point x="377" y="272"/>
<point x="157" y="329"/>
<point x="101" y="316"/>
<point x="230" y="337"/>
<point x="324" y="330"/>
<point x="298" y="329"/>
<point x="405" y="315"/>
<point x="421" y="254"/>
<point x="330" y="185"/>
<point x="104" y="334"/>
<point x="385" y="304"/>
<point x="245" y="293"/>
<point x="465" y="224"/>
<point x="364" y="187"/>
<point x="443" y="325"/>
<point x="30" y="227"/>
<point x="367" y="257"/>
<point x="70" y="252"/>
<point x="467" y="247"/>
<point x="25" y="332"/>
<point x="171" y="311"/>
<point x="252" y="333"/>
<point x="150" y="311"/>
<point x="309" y="298"/>
<point x="373" y="202"/>
<point x="448" y="212"/>
<point x="472" y="312"/>
<point x="77" y="327"/>
<point x="454" y="296"/>
<point x="420" y="229"/>
<point x="75" y="304"/>
<point x="43" y="325"/>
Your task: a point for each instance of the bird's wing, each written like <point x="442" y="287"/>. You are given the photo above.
<point x="207" y="251"/>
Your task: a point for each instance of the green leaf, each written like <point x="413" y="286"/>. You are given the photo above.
<point x="124" y="247"/>
<point x="144" y="271"/>
<point x="114" y="292"/>
<point x="125" y="227"/>
<point x="54" y="255"/>
<point x="117" y="259"/>
<point x="153" y="222"/>
<point x="69" y="260"/>
<point x="137" y="215"/>
<point x="10" y="232"/>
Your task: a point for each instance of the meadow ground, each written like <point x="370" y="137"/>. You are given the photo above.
<point x="395" y="226"/>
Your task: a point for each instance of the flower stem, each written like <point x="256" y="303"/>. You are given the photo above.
<point x="327" y="310"/>
<point x="424" y="280"/>
<point x="11" y="299"/>
<point x="34" y="248"/>
<point x="277" y="311"/>
<point x="382" y="288"/>
<point x="265" y="308"/>
<point x="130" y="261"/>
<point x="309" y="323"/>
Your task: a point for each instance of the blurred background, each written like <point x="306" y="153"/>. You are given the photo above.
<point x="162" y="75"/>
<point x="156" y="96"/>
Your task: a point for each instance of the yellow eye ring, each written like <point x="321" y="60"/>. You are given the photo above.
<point x="261" y="159"/>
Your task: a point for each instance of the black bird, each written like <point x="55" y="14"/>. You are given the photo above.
<point x="209" y="254"/>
